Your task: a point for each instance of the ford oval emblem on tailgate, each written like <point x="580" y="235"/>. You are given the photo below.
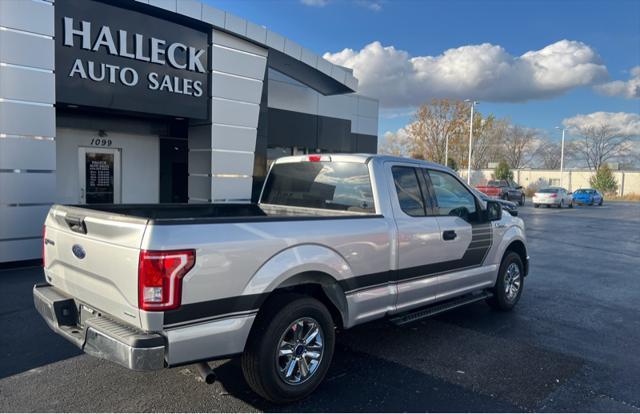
<point x="78" y="251"/>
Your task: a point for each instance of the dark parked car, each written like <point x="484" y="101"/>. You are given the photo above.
<point x="503" y="189"/>
<point x="508" y="206"/>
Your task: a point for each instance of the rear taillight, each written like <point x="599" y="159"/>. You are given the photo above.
<point x="44" y="246"/>
<point x="553" y="195"/>
<point x="160" y="276"/>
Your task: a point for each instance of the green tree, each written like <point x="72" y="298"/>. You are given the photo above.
<point x="502" y="171"/>
<point x="604" y="180"/>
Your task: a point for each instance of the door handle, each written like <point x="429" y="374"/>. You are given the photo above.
<point x="449" y="234"/>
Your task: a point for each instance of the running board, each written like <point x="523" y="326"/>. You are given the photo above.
<point x="438" y="308"/>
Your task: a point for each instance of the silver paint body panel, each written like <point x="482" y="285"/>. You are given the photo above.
<point x="256" y="257"/>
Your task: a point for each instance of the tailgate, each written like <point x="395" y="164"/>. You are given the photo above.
<point x="93" y="256"/>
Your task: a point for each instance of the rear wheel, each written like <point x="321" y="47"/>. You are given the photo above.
<point x="561" y="205"/>
<point x="601" y="202"/>
<point x="521" y="202"/>
<point x="508" y="287"/>
<point x="505" y="196"/>
<point x="290" y="348"/>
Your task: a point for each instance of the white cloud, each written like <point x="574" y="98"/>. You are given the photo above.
<point x="370" y="4"/>
<point x="315" y="3"/>
<point x="485" y="72"/>
<point x="628" y="89"/>
<point x="626" y="123"/>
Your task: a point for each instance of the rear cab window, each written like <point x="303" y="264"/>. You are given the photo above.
<point x="344" y="186"/>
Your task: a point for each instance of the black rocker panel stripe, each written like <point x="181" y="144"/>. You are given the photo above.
<point x="481" y="242"/>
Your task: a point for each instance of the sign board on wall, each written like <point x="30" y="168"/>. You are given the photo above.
<point x="111" y="57"/>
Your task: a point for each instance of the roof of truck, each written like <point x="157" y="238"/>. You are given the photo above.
<point x="363" y="158"/>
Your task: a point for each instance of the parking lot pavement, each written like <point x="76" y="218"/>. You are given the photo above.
<point x="571" y="344"/>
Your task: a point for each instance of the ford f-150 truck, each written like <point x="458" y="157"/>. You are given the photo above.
<point x="503" y="189"/>
<point x="335" y="241"/>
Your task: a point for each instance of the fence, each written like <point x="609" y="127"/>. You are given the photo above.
<point x="628" y="181"/>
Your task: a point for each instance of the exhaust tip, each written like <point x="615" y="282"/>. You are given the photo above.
<point x="206" y="373"/>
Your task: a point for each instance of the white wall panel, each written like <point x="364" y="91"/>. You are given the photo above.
<point x="287" y="96"/>
<point x="275" y="41"/>
<point x="26" y="153"/>
<point x="309" y="57"/>
<point x="257" y="33"/>
<point x="337" y="106"/>
<point x="200" y="162"/>
<point x="235" y="24"/>
<point x="227" y="137"/>
<point x="27" y="85"/>
<point x="171" y="5"/>
<point x="28" y="15"/>
<point x="26" y="50"/>
<point x="213" y="15"/>
<point x="367" y="107"/>
<point x="231" y="189"/>
<point x="226" y="162"/>
<point x="14" y="250"/>
<point x="234" y="113"/>
<point x="238" y="63"/>
<point x="235" y="87"/>
<point x="22" y="221"/>
<point x="293" y="49"/>
<point x="367" y="126"/>
<point x="199" y="187"/>
<point x="191" y="8"/>
<point x="27" y="188"/>
<point x="25" y="119"/>
<point x="234" y="42"/>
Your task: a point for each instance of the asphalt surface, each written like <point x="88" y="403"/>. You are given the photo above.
<point x="572" y="344"/>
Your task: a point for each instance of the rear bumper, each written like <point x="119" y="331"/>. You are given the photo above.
<point x="98" y="335"/>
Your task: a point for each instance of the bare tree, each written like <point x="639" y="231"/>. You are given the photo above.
<point x="520" y="146"/>
<point x="489" y="134"/>
<point x="548" y="155"/>
<point x="597" y="144"/>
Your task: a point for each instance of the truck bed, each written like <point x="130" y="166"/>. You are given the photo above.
<point x="183" y="213"/>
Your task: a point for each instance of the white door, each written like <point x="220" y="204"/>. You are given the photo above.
<point x="99" y="175"/>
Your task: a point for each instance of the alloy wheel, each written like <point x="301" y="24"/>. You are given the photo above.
<point x="512" y="281"/>
<point x="300" y="351"/>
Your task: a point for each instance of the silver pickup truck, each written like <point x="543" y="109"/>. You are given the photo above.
<point x="336" y="241"/>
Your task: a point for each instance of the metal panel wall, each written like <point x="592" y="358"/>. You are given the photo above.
<point x="221" y="153"/>
<point x="27" y="125"/>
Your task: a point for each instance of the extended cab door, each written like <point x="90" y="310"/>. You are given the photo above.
<point x="419" y="244"/>
<point x="466" y="237"/>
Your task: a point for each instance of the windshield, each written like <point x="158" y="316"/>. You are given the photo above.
<point x="495" y="183"/>
<point x="548" y="190"/>
<point x="328" y="185"/>
<point x="585" y="192"/>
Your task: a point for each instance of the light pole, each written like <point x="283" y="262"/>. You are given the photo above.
<point x="446" y="151"/>
<point x="473" y="105"/>
<point x="561" y="156"/>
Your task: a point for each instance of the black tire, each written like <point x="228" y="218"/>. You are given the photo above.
<point x="505" y="196"/>
<point x="259" y="362"/>
<point x="536" y="205"/>
<point x="601" y="202"/>
<point x="571" y="204"/>
<point x="521" y="202"/>
<point x="500" y="300"/>
<point x="561" y="205"/>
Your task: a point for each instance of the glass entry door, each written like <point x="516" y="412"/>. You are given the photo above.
<point x="99" y="175"/>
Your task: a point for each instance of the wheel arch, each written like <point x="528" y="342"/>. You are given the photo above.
<point x="518" y="246"/>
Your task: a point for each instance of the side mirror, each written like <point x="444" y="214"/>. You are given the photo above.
<point x="493" y="211"/>
<point x="519" y="187"/>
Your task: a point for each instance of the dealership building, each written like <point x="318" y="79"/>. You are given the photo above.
<point x="155" y="101"/>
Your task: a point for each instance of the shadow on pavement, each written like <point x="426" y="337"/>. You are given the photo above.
<point x="26" y="341"/>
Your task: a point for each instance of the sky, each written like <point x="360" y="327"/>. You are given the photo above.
<point x="540" y="63"/>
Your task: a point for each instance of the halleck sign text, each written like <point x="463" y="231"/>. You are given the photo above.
<point x="176" y="54"/>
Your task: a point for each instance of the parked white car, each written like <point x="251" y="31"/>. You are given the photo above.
<point x="553" y="196"/>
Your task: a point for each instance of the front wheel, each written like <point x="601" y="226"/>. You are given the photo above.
<point x="508" y="287"/>
<point x="601" y="202"/>
<point x="290" y="348"/>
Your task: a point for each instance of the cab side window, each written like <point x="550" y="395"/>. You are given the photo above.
<point x="408" y="190"/>
<point x="451" y="197"/>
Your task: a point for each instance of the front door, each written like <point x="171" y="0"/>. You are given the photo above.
<point x="99" y="175"/>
